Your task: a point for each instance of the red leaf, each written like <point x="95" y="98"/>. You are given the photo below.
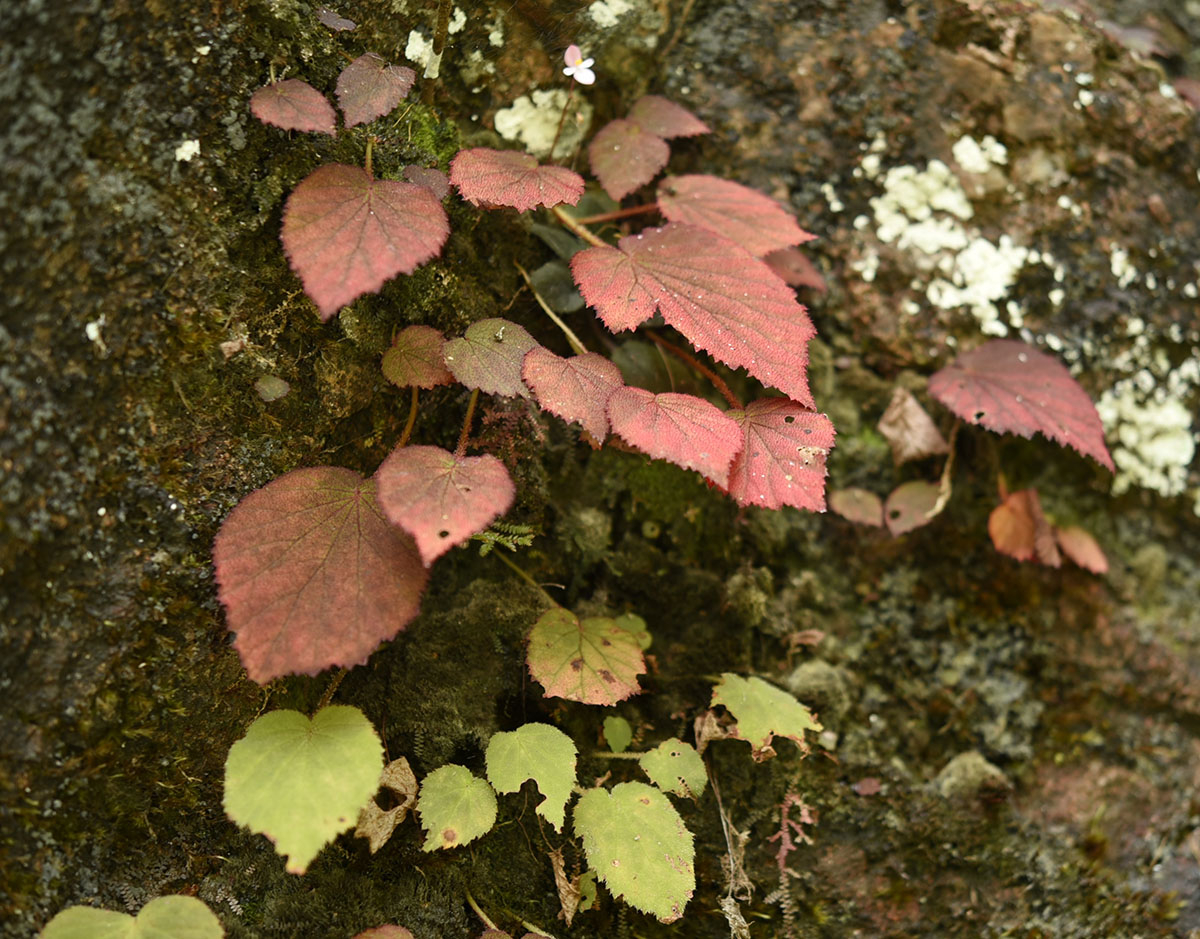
<point x="575" y="389"/>
<point x="755" y="221"/>
<point x="1081" y="548"/>
<point x="684" y="429"/>
<point x="624" y="157"/>
<point x="435" y="181"/>
<point x="334" y="21"/>
<point x="909" y="505"/>
<point x="783" y="461"/>
<point x="415" y="358"/>
<point x="294" y="105"/>
<point x="346" y="233"/>
<point x="1019" y="529"/>
<point x="440" y="499"/>
<point x="795" y="268"/>
<point x="723" y="299"/>
<point x="909" y="430"/>
<point x="857" y="505"/>
<point x="367" y="89"/>
<point x="505" y="177"/>
<point x="1011" y="387"/>
<point x="657" y="115"/>
<point x="489" y="357"/>
<point x="312" y="575"/>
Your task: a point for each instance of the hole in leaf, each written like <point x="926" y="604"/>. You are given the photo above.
<point x="790" y="419"/>
<point x="978" y="416"/>
<point x="894" y="513"/>
<point x="443" y="534"/>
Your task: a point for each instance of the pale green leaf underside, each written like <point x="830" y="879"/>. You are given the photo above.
<point x="538" y="752"/>
<point x="762" y="712"/>
<point x="301" y="782"/>
<point x="174" y="917"/>
<point x="638" y="845"/>
<point x="618" y="733"/>
<point x="675" y="766"/>
<point x="455" y="807"/>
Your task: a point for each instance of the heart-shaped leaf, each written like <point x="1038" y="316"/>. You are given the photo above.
<point x="1012" y="388"/>
<point x="300" y="782"/>
<point x="675" y="767"/>
<point x="688" y="431"/>
<point x="575" y="389"/>
<point x="1019" y="529"/>
<point x="294" y="105"/>
<point x="658" y="115"/>
<point x="507" y="177"/>
<point x="489" y="356"/>
<point x="624" y="157"/>
<point x="756" y="222"/>
<point x="312" y="575"/>
<point x="415" y="358"/>
<point x="908" y="506"/>
<point x="909" y="430"/>
<point x="345" y="233"/>
<point x="592" y="660"/>
<point x="367" y="88"/>
<point x="763" y="712"/>
<point x="175" y="917"/>
<point x="723" y="299"/>
<point x="538" y="752"/>
<point x="440" y="499"/>
<point x="857" y="505"/>
<point x="456" y="807"/>
<point x="783" y="461"/>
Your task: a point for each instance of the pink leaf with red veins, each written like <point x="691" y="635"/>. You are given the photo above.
<point x="1011" y="387"/>
<point x="684" y="429"/>
<point x="506" y="177"/>
<point x="367" y="88"/>
<point x="723" y="299"/>
<point x="783" y="462"/>
<point x="657" y="115"/>
<point x="440" y="499"/>
<point x="489" y="356"/>
<point x="415" y="358"/>
<point x="345" y="233"/>
<point x="624" y="157"/>
<point x="755" y="221"/>
<point x="575" y="389"/>
<point x="294" y="105"/>
<point x="312" y="575"/>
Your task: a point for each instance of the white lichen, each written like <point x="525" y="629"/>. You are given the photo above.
<point x="458" y="19"/>
<point x="187" y="150"/>
<point x="1155" y="443"/>
<point x="532" y="120"/>
<point x="979" y="156"/>
<point x="607" y="13"/>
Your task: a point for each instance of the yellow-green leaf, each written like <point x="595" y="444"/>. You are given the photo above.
<point x="675" y="766"/>
<point x="593" y="660"/>
<point x="763" y="712"/>
<point x="456" y="806"/>
<point x="538" y="752"/>
<point x="174" y="917"/>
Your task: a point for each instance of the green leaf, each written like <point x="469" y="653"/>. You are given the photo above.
<point x="637" y="844"/>
<point x="300" y="782"/>
<point x="675" y="766"/>
<point x="162" y="918"/>
<point x="592" y="660"/>
<point x="762" y="712"/>
<point x="636" y="627"/>
<point x="618" y="733"/>
<point x="538" y="752"/>
<point x="455" y="807"/>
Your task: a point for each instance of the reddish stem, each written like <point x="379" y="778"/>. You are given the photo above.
<point x="581" y="230"/>
<point x="618" y="213"/>
<point x="562" y="117"/>
<point x="461" y="450"/>
<point x="717" y="380"/>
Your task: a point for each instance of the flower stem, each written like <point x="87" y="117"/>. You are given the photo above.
<point x="618" y="213"/>
<point x="334" y="682"/>
<point x="574" y="340"/>
<point x="717" y="380"/>
<point x="562" y="117"/>
<point x="572" y="225"/>
<point x="478" y="912"/>
<point x="525" y="577"/>
<point x="412" y="419"/>
<point x="461" y="450"/>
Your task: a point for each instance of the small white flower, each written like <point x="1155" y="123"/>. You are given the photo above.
<point x="578" y="67"/>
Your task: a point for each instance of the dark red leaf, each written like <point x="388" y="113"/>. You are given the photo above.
<point x="795" y="268"/>
<point x="575" y="389"/>
<point x="756" y="222"/>
<point x="442" y="500"/>
<point x="312" y="575"/>
<point x="1081" y="548"/>
<point x="367" y="88"/>
<point x="857" y="505"/>
<point x="415" y="358"/>
<point x="909" y="505"/>
<point x="783" y="461"/>
<point x="1019" y="529"/>
<point x="294" y="105"/>
<point x="909" y="430"/>
<point x="657" y="115"/>
<point x="506" y="177"/>
<point x="1011" y="387"/>
<point x="434" y="180"/>
<point x="624" y="157"/>
<point x="345" y="233"/>
<point x="334" y="21"/>
<point x="684" y="429"/>
<point x="723" y="299"/>
<point x="489" y="357"/>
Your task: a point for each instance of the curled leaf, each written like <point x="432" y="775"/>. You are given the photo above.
<point x="1081" y="548"/>
<point x="1019" y="529"/>
<point x="294" y="105"/>
<point x="507" y="177"/>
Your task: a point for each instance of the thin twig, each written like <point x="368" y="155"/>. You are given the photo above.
<point x="461" y="450"/>
<point x="478" y="912"/>
<point x="412" y="419"/>
<point x="563" y="216"/>
<point x="562" y="117"/>
<point x="666" y="50"/>
<point x="529" y="580"/>
<point x="574" y="340"/>
<point x="717" y="380"/>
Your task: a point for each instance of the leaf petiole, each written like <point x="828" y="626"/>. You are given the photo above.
<point x="574" y="340"/>
<point x="618" y="213"/>
<point x="461" y="450"/>
<point x="581" y="230"/>
<point x="412" y="419"/>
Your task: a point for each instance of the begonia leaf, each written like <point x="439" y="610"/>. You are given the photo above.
<point x="345" y="233"/>
<point x="794" y="266"/>
<point x="857" y="505"/>
<point x="415" y="358"/>
<point x="909" y="430"/>
<point x="367" y="88"/>
<point x="508" y="177"/>
<point x="538" y="752"/>
<point x="442" y="499"/>
<point x="1019" y="529"/>
<point x="1081" y="547"/>
<point x="432" y="179"/>
<point x="335" y="21"/>
<point x="756" y="222"/>
<point x="301" y="782"/>
<point x="294" y="105"/>
<point x="658" y="115"/>
<point x="456" y="807"/>
<point x="1010" y="387"/>
<point x="489" y="356"/>
<point x="688" y="431"/>
<point x="173" y="917"/>
<point x="723" y="299"/>
<point x="783" y="460"/>
<point x="638" y="845"/>
<point x="624" y="157"/>
<point x="575" y="388"/>
<point x="592" y="660"/>
<point x="675" y="767"/>
<point x="763" y="712"/>
<point x="908" y="506"/>
<point x="312" y="575"/>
